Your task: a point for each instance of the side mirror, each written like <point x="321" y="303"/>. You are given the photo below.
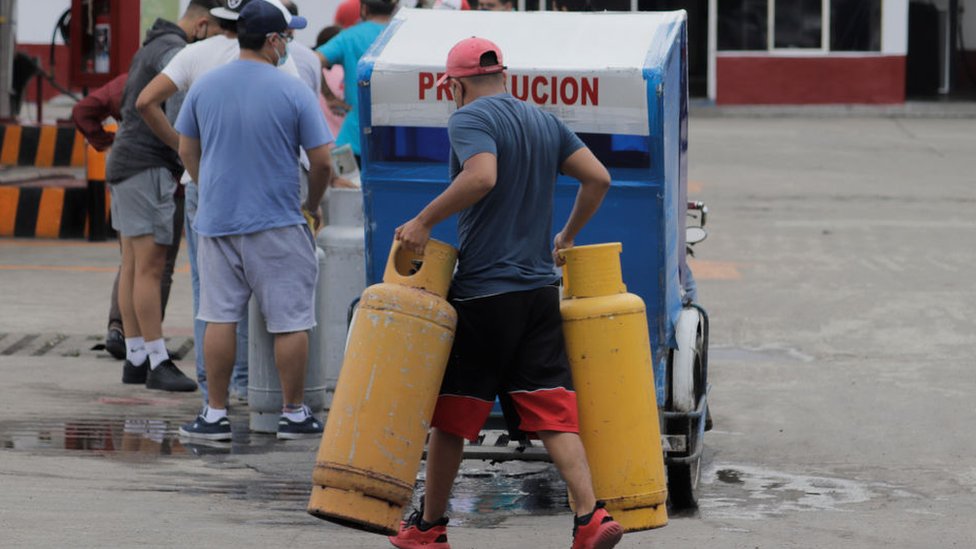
<point x="694" y="235"/>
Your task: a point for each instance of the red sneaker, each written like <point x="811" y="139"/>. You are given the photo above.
<point x="599" y="532"/>
<point x="412" y="537"/>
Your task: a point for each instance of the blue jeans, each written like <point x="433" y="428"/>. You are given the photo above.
<point x="238" y="380"/>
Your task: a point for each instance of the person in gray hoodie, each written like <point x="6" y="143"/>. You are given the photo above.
<point x="142" y="173"/>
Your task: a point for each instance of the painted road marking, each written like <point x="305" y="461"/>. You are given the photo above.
<point x="714" y="270"/>
<point x="185" y="268"/>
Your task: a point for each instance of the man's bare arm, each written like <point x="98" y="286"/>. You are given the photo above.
<point x="150" y="106"/>
<point x="594" y="182"/>
<point x="476" y="180"/>
<point x="190" y="153"/>
<point x="326" y="64"/>
<point x="319" y="175"/>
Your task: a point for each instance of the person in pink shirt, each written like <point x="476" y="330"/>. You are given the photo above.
<point x="334" y="79"/>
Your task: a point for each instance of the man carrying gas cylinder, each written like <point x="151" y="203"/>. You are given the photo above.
<point x="505" y="157"/>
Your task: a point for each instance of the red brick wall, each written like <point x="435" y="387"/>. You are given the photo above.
<point x="780" y="80"/>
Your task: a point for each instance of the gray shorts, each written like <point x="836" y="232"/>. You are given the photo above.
<point x="143" y="204"/>
<point x="278" y="266"/>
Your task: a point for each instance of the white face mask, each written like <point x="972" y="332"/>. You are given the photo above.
<point x="282" y="57"/>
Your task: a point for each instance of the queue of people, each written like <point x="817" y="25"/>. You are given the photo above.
<point x="239" y="141"/>
<point x="155" y="200"/>
<point x="150" y="187"/>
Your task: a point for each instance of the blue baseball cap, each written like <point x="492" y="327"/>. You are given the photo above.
<point x="260" y="17"/>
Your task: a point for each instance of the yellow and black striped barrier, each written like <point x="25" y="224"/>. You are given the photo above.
<point x="98" y="198"/>
<point x="75" y="210"/>
<point x="42" y="146"/>
<point x="45" y="212"/>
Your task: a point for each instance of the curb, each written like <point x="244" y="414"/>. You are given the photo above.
<point x="701" y="108"/>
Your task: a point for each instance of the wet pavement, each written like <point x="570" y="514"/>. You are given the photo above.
<point x="843" y="321"/>
<point x="144" y="430"/>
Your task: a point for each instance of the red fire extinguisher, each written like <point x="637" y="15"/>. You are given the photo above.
<point x="103" y="43"/>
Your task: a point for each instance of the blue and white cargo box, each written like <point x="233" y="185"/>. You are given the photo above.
<point x="619" y="80"/>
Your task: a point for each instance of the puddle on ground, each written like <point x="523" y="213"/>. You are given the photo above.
<point x="748" y="492"/>
<point x="486" y="494"/>
<point x="127" y="439"/>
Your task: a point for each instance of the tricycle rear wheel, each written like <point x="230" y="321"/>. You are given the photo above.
<point x="683" y="482"/>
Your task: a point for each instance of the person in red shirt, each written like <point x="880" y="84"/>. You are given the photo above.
<point x="89" y="113"/>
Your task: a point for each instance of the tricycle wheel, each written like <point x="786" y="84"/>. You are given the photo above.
<point x="687" y="381"/>
<point x="683" y="481"/>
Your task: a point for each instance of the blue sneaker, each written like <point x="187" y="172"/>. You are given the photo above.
<point x="200" y="428"/>
<point x="288" y="429"/>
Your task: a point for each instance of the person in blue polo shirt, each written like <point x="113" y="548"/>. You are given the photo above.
<point x="240" y="129"/>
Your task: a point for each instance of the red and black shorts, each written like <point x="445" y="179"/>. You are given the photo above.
<point x="509" y="345"/>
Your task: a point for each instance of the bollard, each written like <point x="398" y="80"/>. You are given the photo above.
<point x="610" y="355"/>
<point x="399" y="343"/>
<point x="96" y="204"/>
<point x="263" y="384"/>
<point x="343" y="241"/>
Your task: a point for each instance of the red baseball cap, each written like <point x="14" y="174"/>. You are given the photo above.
<point x="464" y="59"/>
<point x="347" y="14"/>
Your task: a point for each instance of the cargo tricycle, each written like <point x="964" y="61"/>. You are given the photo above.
<point x="624" y="90"/>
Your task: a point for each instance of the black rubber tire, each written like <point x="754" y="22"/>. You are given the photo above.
<point x="683" y="484"/>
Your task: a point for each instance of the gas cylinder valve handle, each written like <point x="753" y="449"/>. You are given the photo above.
<point x="566" y="285"/>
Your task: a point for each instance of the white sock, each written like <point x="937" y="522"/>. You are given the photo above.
<point x="135" y="350"/>
<point x="297" y="416"/>
<point x="212" y="415"/>
<point x="157" y="352"/>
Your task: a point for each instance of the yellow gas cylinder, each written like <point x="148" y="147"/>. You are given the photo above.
<point x="610" y="355"/>
<point x="397" y="350"/>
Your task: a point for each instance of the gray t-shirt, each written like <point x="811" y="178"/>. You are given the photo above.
<point x="506" y="237"/>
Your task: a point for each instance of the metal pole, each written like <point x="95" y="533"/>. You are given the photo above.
<point x="40" y="93"/>
<point x="8" y="44"/>
<point x="712" y="49"/>
<point x="953" y="40"/>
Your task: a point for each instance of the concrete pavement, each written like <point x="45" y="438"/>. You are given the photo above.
<point x="837" y="275"/>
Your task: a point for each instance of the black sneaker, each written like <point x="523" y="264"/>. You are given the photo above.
<point x="167" y="377"/>
<point x="201" y="429"/>
<point x="135" y="374"/>
<point x="115" y="344"/>
<point x="288" y="429"/>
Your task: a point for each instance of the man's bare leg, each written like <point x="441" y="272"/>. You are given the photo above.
<point x="149" y="262"/>
<point x="291" y="358"/>
<point x="567" y="453"/>
<point x="219" y="350"/>
<point x="444" y="453"/>
<point x="126" y="279"/>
